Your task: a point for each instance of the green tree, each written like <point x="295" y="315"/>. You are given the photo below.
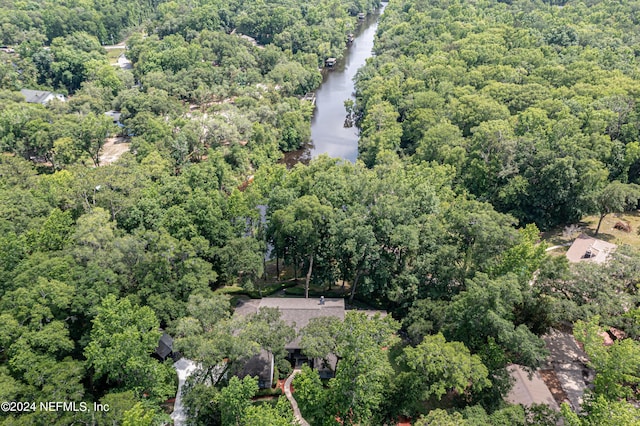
<point x="72" y="59"/>
<point x="602" y="411"/>
<point x="301" y="226"/>
<point x="615" y="197"/>
<point x="617" y="367"/>
<point x="123" y="337"/>
<point x="235" y="399"/>
<point x="356" y="247"/>
<point x="271" y="332"/>
<point x="207" y="336"/>
<point x="310" y="395"/>
<point x="119" y="403"/>
<point x="364" y="369"/>
<point x="91" y="135"/>
<point x="137" y="416"/>
<point x="243" y="260"/>
<point x="524" y="258"/>
<point x="437" y="366"/>
<point x="201" y="403"/>
<point x="268" y="415"/>
<point x="55" y="232"/>
<point x="483" y="318"/>
<point x="439" y="417"/>
<point x="94" y="234"/>
<point x="35" y="342"/>
<point x="381" y="133"/>
<point x="318" y="337"/>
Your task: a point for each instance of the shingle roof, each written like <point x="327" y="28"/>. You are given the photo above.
<point x="258" y="365"/>
<point x="39" y="96"/>
<point x="527" y="391"/>
<point x="165" y="346"/>
<point x="35" y="96"/>
<point x="297" y="312"/>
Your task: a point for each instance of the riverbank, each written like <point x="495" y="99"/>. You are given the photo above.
<point x="328" y="132"/>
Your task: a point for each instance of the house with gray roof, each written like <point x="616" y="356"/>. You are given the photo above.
<point x="165" y="347"/>
<point x="296" y="312"/>
<point x="41" y="97"/>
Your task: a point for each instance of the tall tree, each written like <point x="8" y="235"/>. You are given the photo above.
<point x="92" y="133"/>
<point x="617" y="367"/>
<point x="363" y="371"/>
<point x="123" y="337"/>
<point x="304" y="224"/>
<point x="212" y="338"/>
<point x="310" y="395"/>
<point x="235" y="399"/>
<point x="437" y="366"/>
<point x="615" y="197"/>
<point x="268" y="415"/>
<point x="270" y="332"/>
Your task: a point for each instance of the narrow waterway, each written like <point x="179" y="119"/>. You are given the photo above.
<point x="328" y="134"/>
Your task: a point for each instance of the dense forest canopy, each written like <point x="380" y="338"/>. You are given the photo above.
<point x="534" y="105"/>
<point x="481" y="123"/>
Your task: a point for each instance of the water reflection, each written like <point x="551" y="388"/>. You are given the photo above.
<point x="328" y="133"/>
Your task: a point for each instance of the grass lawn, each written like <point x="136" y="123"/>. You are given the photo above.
<point x="113" y="54"/>
<point x="588" y="225"/>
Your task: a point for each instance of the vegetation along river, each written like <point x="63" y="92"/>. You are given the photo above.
<point x="328" y="133"/>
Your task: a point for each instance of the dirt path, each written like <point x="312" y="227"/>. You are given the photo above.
<point x="557" y="247"/>
<point x="113" y="149"/>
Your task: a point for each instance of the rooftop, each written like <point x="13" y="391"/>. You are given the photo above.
<point x="40" y="96"/>
<point x="589" y="249"/>
<point x="165" y="346"/>
<point x="114" y="115"/>
<point x="296" y="312"/>
<point x="528" y="391"/>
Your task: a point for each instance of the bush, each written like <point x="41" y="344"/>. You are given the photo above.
<point x="284" y="368"/>
<point x="269" y="392"/>
<point x="299" y="291"/>
<point x="294" y="291"/>
<point x="269" y="289"/>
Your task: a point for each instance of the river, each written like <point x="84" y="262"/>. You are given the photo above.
<point x="328" y="134"/>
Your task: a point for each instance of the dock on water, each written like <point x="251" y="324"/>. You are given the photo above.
<point x="311" y="97"/>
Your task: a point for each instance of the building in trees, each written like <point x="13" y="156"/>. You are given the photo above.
<point x="165" y="348"/>
<point x="115" y="117"/>
<point x="296" y="312"/>
<point x="41" y="97"/>
<point x="528" y="390"/>
<point x="589" y="249"/>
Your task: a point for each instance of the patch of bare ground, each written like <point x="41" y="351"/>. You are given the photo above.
<point x="551" y="380"/>
<point x="113" y="149"/>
